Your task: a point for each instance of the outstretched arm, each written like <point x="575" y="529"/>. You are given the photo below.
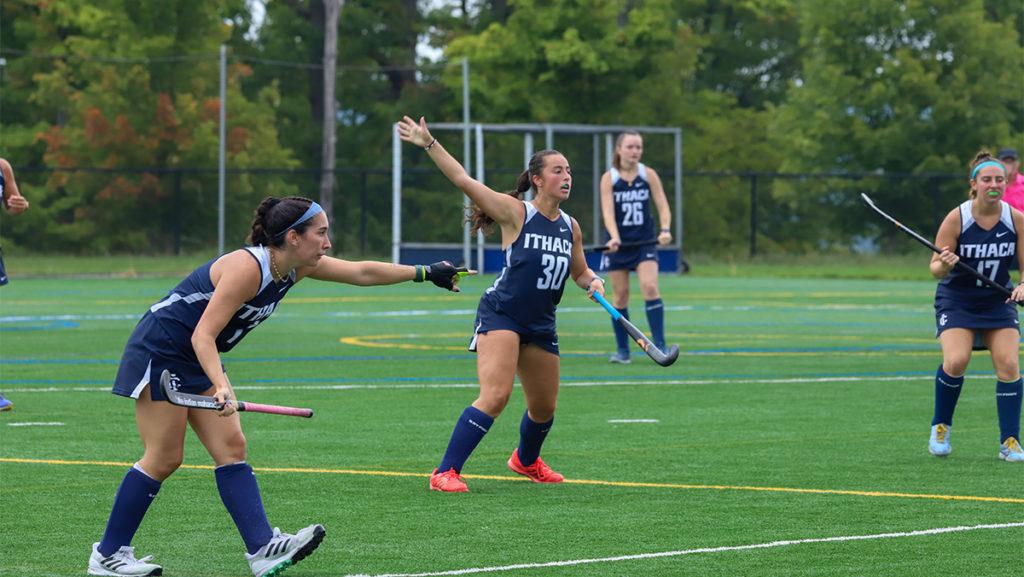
<point x="373" y="273"/>
<point x="502" y="208"/>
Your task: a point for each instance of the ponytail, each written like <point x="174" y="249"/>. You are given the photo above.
<point x="479" y="220"/>
<point x="272" y="218"/>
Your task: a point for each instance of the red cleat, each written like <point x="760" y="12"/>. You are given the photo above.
<point x="448" y="482"/>
<point x="538" y="472"/>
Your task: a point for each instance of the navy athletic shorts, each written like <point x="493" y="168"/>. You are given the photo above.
<point x="148" y="353"/>
<point x="629" y="258"/>
<point x="488" y="319"/>
<point x="950" y="314"/>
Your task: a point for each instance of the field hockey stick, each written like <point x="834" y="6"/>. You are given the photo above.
<point x="203" y="402"/>
<point x="964" y="267"/>
<point x="604" y="247"/>
<point x="663" y="358"/>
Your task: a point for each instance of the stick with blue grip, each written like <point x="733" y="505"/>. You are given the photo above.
<point x="663" y="358"/>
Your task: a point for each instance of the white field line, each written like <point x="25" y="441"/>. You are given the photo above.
<point x="564" y="384"/>
<point x="681" y="552"/>
<point x="633" y="420"/>
<point x="50" y="424"/>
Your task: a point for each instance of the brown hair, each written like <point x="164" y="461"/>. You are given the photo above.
<point x="982" y="156"/>
<point x="480" y="221"/>
<point x="616" y="159"/>
<point x="273" y="218"/>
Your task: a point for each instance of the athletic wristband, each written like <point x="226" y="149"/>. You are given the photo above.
<point x="429" y="146"/>
<point x="420" y="275"/>
<point x="668" y="230"/>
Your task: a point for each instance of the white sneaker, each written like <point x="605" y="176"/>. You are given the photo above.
<point x="285" y="550"/>
<point x="122" y="562"/>
<point x="938" y="442"/>
<point x="1011" y="451"/>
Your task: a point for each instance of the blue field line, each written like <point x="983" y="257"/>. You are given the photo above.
<point x="565" y="378"/>
<point x="47" y="326"/>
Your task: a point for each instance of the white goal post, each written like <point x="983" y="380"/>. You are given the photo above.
<point x="603" y="136"/>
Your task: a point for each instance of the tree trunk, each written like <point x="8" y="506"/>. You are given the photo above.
<point x="332" y="10"/>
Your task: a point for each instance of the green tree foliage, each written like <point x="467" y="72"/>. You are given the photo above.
<point x="135" y="85"/>
<point x="910" y="86"/>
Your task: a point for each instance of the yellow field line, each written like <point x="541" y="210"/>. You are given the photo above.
<point x="629" y="484"/>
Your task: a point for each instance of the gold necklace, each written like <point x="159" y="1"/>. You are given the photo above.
<point x="273" y="267"/>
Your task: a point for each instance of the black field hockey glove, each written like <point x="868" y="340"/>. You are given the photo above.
<point x="442" y="274"/>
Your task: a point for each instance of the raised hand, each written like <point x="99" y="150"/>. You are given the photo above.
<point x="417" y="134"/>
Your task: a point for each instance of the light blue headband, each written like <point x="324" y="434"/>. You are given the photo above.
<point x="987" y="163"/>
<point x="313" y="210"/>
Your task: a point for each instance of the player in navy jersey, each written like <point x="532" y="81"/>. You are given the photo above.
<point x="15" y="203"/>
<point x="514" y="331"/>
<point x="627" y="191"/>
<point x="207" y="314"/>
<point x="985" y="233"/>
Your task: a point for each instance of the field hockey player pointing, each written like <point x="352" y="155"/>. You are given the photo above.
<point x="984" y="233"/>
<point x="207" y="314"/>
<point x="515" y="322"/>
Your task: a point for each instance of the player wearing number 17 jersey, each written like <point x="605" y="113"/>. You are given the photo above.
<point x="515" y="323"/>
<point x="207" y="314"/>
<point x="985" y="233"/>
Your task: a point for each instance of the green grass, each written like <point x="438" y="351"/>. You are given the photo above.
<point x="900" y="267"/>
<point x="784" y="385"/>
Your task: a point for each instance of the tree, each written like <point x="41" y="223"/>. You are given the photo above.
<point x="908" y="86"/>
<point x="133" y="86"/>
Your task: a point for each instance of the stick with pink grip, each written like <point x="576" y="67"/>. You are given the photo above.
<point x="202" y="402"/>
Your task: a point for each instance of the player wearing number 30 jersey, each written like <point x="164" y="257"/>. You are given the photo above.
<point x="515" y="322"/>
<point x="531" y="283"/>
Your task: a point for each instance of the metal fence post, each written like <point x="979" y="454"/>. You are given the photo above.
<point x="753" y="215"/>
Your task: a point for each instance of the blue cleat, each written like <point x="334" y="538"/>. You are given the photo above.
<point x="1011" y="451"/>
<point x="5" y="405"/>
<point x="938" y="444"/>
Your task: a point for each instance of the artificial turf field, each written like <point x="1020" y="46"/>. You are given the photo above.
<point x="789" y="439"/>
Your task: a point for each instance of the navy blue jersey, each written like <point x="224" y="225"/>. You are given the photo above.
<point x="633" y="206"/>
<point x="179" y="312"/>
<point x="536" y="266"/>
<point x="989" y="252"/>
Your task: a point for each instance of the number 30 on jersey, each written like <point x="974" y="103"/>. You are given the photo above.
<point x="555" y="270"/>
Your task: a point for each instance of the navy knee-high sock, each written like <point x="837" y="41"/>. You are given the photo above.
<point x="947" y="391"/>
<point x="469" y="430"/>
<point x="241" y="497"/>
<point x="1008" y="401"/>
<point x="656" y="320"/>
<point x="531" y="437"/>
<point x="621" y="338"/>
<point x="133" y="498"/>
